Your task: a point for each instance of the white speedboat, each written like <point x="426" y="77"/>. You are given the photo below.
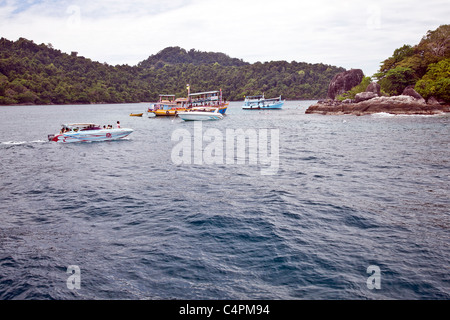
<point x="83" y="132"/>
<point x="201" y="114"/>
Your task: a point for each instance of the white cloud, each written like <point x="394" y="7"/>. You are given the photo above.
<point x="352" y="34"/>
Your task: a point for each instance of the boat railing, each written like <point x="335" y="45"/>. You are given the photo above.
<point x="270" y="99"/>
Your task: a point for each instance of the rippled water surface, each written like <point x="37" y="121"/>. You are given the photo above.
<point x="349" y="192"/>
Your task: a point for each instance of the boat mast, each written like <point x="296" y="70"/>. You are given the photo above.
<point x="188" y="87"/>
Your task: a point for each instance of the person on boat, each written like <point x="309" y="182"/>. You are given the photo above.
<point x="118" y="124"/>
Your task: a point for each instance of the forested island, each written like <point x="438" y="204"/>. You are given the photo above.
<point x="40" y="74"/>
<point x="414" y="80"/>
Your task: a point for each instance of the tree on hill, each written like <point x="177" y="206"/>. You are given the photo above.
<point x="409" y="64"/>
<point x="436" y="82"/>
<point x="177" y="55"/>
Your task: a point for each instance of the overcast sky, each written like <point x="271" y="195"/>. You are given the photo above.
<point x="346" y="33"/>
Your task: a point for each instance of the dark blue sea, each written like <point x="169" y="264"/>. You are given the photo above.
<point x="348" y="193"/>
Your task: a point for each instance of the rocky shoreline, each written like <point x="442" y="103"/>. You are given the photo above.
<point x="402" y="104"/>
<point x="371" y="101"/>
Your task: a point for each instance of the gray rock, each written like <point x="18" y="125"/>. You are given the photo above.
<point x="402" y="104"/>
<point x="363" y="96"/>
<point x="433" y="101"/>
<point x="409" y="91"/>
<point x="374" y="87"/>
<point x="344" y="81"/>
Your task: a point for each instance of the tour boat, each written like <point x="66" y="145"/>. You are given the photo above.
<point x="259" y="102"/>
<point x="83" y="132"/>
<point x="209" y="99"/>
<point x="201" y="114"/>
<point x="169" y="106"/>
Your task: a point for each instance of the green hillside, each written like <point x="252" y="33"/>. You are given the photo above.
<point x="39" y="74"/>
<point x="426" y="66"/>
<point x="177" y="55"/>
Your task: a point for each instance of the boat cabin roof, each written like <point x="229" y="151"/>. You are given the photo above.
<point x="80" y="125"/>
<point x="166" y="98"/>
<point x="203" y="93"/>
<point x="261" y="97"/>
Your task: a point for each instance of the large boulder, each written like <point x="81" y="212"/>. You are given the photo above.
<point x="344" y="81"/>
<point x="409" y="91"/>
<point x="374" y="87"/>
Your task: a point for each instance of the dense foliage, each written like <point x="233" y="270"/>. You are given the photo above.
<point x="436" y="82"/>
<point x="291" y="80"/>
<point x="40" y="74"/>
<point x="422" y="65"/>
<point x="31" y="73"/>
<point x="177" y="55"/>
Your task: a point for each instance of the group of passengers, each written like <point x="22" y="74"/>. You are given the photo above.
<point x="89" y="127"/>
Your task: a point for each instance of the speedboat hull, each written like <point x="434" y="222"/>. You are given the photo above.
<point x="200" y="116"/>
<point x="91" y="135"/>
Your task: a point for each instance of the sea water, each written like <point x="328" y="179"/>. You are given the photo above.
<point x="357" y="208"/>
